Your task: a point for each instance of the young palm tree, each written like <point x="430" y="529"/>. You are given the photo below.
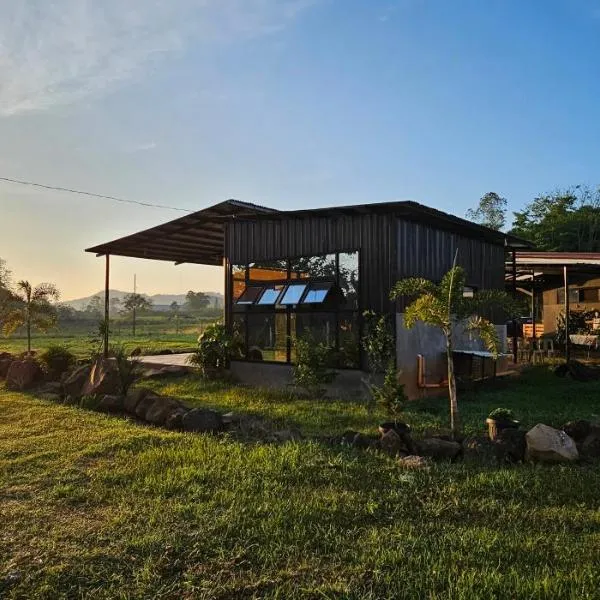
<point x="31" y="307"/>
<point x="445" y="306"/>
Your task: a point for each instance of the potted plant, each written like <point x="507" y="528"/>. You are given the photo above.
<point x="500" y="419"/>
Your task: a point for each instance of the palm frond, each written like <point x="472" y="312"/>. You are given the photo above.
<point x="45" y="292"/>
<point x="12" y="321"/>
<point x="412" y="286"/>
<point x="487" y="332"/>
<point x="429" y="309"/>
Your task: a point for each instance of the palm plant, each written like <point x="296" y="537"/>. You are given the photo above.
<point x="31" y="307"/>
<point x="445" y="306"/>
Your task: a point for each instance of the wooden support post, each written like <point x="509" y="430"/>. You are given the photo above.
<point x="567" y="308"/>
<point x="533" y="304"/>
<point x="106" y="305"/>
<point x="514" y="293"/>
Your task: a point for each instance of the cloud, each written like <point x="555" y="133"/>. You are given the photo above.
<point x="145" y="147"/>
<point x="62" y="51"/>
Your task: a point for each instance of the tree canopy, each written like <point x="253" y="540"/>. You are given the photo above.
<point x="196" y="301"/>
<point x="490" y="212"/>
<point x="135" y="302"/>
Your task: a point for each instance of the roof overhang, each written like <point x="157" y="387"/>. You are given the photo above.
<point x="196" y="238"/>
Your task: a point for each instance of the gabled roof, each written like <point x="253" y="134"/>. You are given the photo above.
<point x="200" y="237"/>
<point x="196" y="238"/>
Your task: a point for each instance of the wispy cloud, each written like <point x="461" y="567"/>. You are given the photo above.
<point x="63" y="51"/>
<point x="144" y="147"/>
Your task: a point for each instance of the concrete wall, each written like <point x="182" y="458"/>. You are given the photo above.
<point x="429" y="341"/>
<point x="347" y="383"/>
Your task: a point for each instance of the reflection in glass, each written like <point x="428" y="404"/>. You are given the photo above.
<point x="268" y="270"/>
<point x="349" y="355"/>
<point x="313" y="266"/>
<point x="319" y="326"/>
<point x="267" y="335"/>
<point x="238" y="276"/>
<point x="270" y="295"/>
<point x="348" y="278"/>
<point x="293" y="293"/>
<point x="317" y="292"/>
<point x="250" y="294"/>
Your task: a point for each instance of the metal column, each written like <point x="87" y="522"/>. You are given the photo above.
<point x="106" y="305"/>
<point x="567" y="307"/>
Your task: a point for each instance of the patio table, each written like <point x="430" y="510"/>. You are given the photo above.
<point x="583" y="339"/>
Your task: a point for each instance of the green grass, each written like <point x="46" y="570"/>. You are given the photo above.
<point x="97" y="507"/>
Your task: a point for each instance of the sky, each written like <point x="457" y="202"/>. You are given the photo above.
<point x="285" y="103"/>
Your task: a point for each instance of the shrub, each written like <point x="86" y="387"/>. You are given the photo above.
<point x="216" y="349"/>
<point x="312" y="371"/>
<point x="390" y="394"/>
<point x="502" y="415"/>
<point x="128" y="369"/>
<point x="57" y="360"/>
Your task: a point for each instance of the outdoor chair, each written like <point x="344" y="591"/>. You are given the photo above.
<point x="524" y="350"/>
<point x="544" y="348"/>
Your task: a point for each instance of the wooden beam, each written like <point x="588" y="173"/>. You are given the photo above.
<point x="567" y="309"/>
<point x="106" y="305"/>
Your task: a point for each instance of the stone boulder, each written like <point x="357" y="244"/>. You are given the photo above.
<point x="134" y="397"/>
<point x="73" y="382"/>
<point x="23" y="374"/>
<point x="438" y="449"/>
<point x="403" y="432"/>
<point x="110" y="403"/>
<point x="590" y="447"/>
<point x="546" y="444"/>
<point x="6" y="359"/>
<point x="392" y="444"/>
<point x="202" y="420"/>
<point x="285" y="435"/>
<point x="578" y="430"/>
<point x="51" y="387"/>
<point x="103" y="379"/>
<point x="143" y="406"/>
<point x="174" y="420"/>
<point x="510" y="446"/>
<point x="160" y="410"/>
<point x="414" y="462"/>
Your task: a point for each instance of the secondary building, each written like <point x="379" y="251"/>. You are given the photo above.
<point x="319" y="270"/>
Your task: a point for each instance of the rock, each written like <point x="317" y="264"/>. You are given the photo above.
<point x="136" y="352"/>
<point x="362" y="441"/>
<point x="546" y="444"/>
<point x="414" y="462"/>
<point x="52" y="387"/>
<point x="23" y="374"/>
<point x="6" y="359"/>
<point x="437" y="448"/>
<point x="397" y="426"/>
<point x="590" y="448"/>
<point x="134" y="397"/>
<point x="143" y="406"/>
<point x="348" y="437"/>
<point x="160" y="409"/>
<point x="391" y="443"/>
<point x="230" y="419"/>
<point x="103" y="379"/>
<point x="174" y="420"/>
<point x="578" y="430"/>
<point x="202" y="420"/>
<point x="167" y="371"/>
<point x="510" y="446"/>
<point x="110" y="403"/>
<point x="74" y="382"/>
<point x="479" y="447"/>
<point x="286" y="435"/>
<point x="577" y="371"/>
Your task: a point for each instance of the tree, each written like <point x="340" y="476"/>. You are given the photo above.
<point x="445" y="306"/>
<point x="134" y="303"/>
<point x="32" y="307"/>
<point x="490" y="212"/>
<point x="196" y="301"/>
<point x="5" y="289"/>
<point x="95" y="307"/>
<point x="174" y="309"/>
<point x="562" y="221"/>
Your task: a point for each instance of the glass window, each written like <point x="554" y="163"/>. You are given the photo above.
<point x="250" y="294"/>
<point x="238" y="276"/>
<point x="468" y="292"/>
<point x="268" y="270"/>
<point x="317" y="293"/>
<point x="349" y="354"/>
<point x="573" y="295"/>
<point x="270" y="295"/>
<point x="313" y="266"/>
<point x="293" y="293"/>
<point x="320" y="326"/>
<point x="348" y="278"/>
<point x="267" y="336"/>
<point x="589" y="295"/>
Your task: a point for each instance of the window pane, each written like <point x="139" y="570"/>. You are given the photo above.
<point x="238" y="325"/>
<point x="250" y="294"/>
<point x="267" y="335"/>
<point x="468" y="292"/>
<point x="317" y="292"/>
<point x="589" y="295"/>
<point x="349" y="356"/>
<point x="238" y="276"/>
<point x="268" y="270"/>
<point x="270" y="295"/>
<point x="293" y="293"/>
<point x="349" y="278"/>
<point x="313" y="266"/>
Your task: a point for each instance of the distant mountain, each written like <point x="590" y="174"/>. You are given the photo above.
<point x="159" y="301"/>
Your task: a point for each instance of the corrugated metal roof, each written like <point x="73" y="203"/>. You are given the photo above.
<point x="558" y="258"/>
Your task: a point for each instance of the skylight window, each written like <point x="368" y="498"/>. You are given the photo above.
<point x="250" y="294"/>
<point x="293" y="293"/>
<point x="317" y="293"/>
<point x="270" y="295"/>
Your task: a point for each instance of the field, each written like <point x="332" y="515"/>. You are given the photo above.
<point x="95" y="506"/>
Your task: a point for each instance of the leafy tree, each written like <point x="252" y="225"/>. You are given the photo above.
<point x="196" y="301"/>
<point x="31" y="307"/>
<point x="490" y="212"/>
<point x="311" y="370"/>
<point x="216" y="349"/>
<point x="174" y="310"/>
<point x="95" y="307"/>
<point x="133" y="304"/>
<point x="563" y="221"/>
<point x="5" y="290"/>
<point x="444" y="306"/>
<point x="5" y="275"/>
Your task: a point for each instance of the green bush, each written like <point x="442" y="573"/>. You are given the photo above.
<point x="216" y="349"/>
<point x="502" y="415"/>
<point x="128" y="369"/>
<point x="312" y="371"/>
<point x="57" y="360"/>
<point x="390" y="394"/>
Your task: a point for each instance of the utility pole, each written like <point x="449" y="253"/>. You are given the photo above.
<point x="134" y="306"/>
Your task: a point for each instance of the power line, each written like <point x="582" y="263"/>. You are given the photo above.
<point x="82" y="193"/>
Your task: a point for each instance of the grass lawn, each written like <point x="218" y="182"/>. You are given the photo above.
<point x="98" y="507"/>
